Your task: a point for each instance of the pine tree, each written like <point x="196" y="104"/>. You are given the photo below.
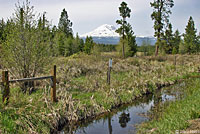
<point x="160" y="15"/>
<point x="79" y="43"/>
<point x="65" y="25"/>
<point x="190" y="37"/>
<point x="176" y="42"/>
<point x="53" y="46"/>
<point x="124" y="13"/>
<point x="131" y="40"/>
<point x="88" y="45"/>
<point x="2" y="30"/>
<point x="168" y="40"/>
<point x="69" y="46"/>
<point x="59" y="40"/>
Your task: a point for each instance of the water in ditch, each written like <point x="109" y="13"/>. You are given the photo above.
<point x="126" y="118"/>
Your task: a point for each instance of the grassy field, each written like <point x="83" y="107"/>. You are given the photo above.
<point x="82" y="90"/>
<point x="177" y="116"/>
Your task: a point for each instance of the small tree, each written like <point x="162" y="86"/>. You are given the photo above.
<point x="96" y="50"/>
<point x="65" y="25"/>
<point x="146" y="47"/>
<point x="26" y="49"/>
<point x="124" y="13"/>
<point x="59" y="41"/>
<point x="176" y="42"/>
<point x="182" y="48"/>
<point x="69" y="46"/>
<point x="88" y="45"/>
<point x="131" y="40"/>
<point x="160" y="15"/>
<point x="79" y="43"/>
<point x="53" y="47"/>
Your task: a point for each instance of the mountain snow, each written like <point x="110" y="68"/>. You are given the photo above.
<point x="103" y="31"/>
<point x="106" y="34"/>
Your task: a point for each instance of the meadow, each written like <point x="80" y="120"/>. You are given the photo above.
<point x="83" y="92"/>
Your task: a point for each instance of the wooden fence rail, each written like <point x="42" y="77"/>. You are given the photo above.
<point x="30" y="79"/>
<point x="5" y="82"/>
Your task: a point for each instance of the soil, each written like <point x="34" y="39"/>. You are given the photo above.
<point x="194" y="124"/>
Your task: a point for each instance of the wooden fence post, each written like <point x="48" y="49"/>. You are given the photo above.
<point x="109" y="71"/>
<point x="108" y="75"/>
<point x="139" y="70"/>
<point x="6" y="90"/>
<point x="175" y="60"/>
<point x="53" y="88"/>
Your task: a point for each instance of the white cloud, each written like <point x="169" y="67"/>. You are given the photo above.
<point x="86" y="15"/>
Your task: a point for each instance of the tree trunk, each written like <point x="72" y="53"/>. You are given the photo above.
<point x="123" y="51"/>
<point x="156" y="51"/>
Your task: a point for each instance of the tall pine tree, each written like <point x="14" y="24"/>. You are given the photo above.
<point x="124" y="13"/>
<point x="190" y="37"/>
<point x="160" y="15"/>
<point x="65" y="25"/>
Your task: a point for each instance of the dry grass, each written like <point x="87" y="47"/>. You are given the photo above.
<point x="82" y="90"/>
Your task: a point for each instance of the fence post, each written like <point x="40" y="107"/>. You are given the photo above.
<point x="53" y="88"/>
<point x="175" y="60"/>
<point x="139" y="70"/>
<point x="6" y="90"/>
<point x="108" y="75"/>
<point x="109" y="71"/>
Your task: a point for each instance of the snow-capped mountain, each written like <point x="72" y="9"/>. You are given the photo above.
<point x="106" y="34"/>
<point x="103" y="31"/>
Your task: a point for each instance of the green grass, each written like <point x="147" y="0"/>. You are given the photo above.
<point x="119" y="76"/>
<point x="176" y="115"/>
<point x="23" y="112"/>
<point x="82" y="91"/>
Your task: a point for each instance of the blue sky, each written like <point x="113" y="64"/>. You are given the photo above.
<point x="87" y="15"/>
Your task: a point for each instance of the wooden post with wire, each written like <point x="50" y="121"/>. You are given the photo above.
<point x="6" y="90"/>
<point x="53" y="86"/>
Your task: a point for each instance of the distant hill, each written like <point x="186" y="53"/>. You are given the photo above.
<point x="115" y="40"/>
<point x="106" y="34"/>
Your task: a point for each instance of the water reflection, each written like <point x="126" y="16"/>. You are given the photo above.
<point x="124" y="119"/>
<point x="156" y="108"/>
<point x="109" y="125"/>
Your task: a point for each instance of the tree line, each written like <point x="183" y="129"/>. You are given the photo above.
<point x="167" y="41"/>
<point x="28" y="41"/>
<point x="59" y="40"/>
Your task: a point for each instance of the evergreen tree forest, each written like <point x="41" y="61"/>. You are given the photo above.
<point x="175" y="42"/>
<point x="167" y="41"/>
<point x="30" y="30"/>
<point x="24" y="30"/>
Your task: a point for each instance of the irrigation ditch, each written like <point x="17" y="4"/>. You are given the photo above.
<point x="136" y="110"/>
